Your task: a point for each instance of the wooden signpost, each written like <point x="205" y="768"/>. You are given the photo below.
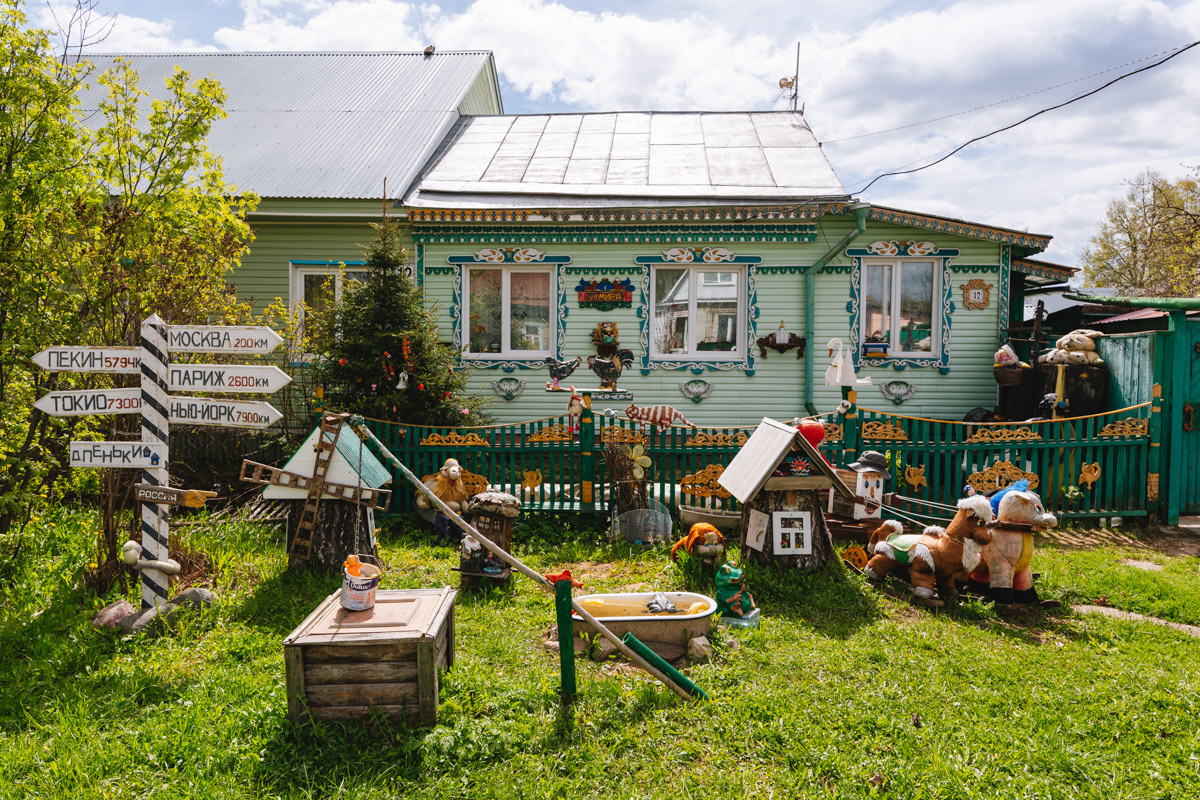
<point x="159" y="408"/>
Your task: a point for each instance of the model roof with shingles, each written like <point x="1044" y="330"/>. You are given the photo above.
<point x="327" y="125"/>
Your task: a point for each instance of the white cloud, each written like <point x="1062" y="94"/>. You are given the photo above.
<point x="126" y="34"/>
<point x="865" y="67"/>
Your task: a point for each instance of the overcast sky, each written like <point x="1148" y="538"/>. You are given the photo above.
<point x="865" y="67"/>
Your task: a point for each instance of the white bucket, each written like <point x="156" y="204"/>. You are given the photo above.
<point x="358" y="591"/>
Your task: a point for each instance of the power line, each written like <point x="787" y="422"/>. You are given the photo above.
<point x="996" y="103"/>
<point x="1076" y="99"/>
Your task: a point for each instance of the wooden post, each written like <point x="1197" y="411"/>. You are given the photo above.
<point x="566" y="641"/>
<point x="587" y="456"/>
<point x="850" y="423"/>
<point x="156" y="524"/>
<point x="1154" y="462"/>
<point x="1180" y="371"/>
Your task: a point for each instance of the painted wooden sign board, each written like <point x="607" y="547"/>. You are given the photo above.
<point x="243" y="378"/>
<point x="165" y="495"/>
<point x="749" y="470"/>
<point x="221" y="413"/>
<point x="254" y="339"/>
<point x="132" y="455"/>
<point x="81" y="402"/>
<point x="113" y="360"/>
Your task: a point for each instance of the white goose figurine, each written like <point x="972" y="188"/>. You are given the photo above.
<point x="841" y="371"/>
<point x="831" y="373"/>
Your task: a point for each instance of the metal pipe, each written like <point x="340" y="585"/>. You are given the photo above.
<point x="542" y="581"/>
<point x="861" y="211"/>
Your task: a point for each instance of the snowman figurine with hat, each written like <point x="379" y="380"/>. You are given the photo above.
<point x="870" y="483"/>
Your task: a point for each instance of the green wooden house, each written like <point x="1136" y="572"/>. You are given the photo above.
<point x="706" y="238"/>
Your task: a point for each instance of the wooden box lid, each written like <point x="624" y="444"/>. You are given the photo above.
<point x="398" y="614"/>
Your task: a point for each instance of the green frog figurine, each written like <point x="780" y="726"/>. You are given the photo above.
<point x="732" y="598"/>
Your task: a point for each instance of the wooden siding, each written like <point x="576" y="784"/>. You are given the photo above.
<point x="481" y="97"/>
<point x="777" y="386"/>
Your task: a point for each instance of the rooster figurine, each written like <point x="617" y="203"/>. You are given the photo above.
<point x="561" y="370"/>
<point x="609" y="369"/>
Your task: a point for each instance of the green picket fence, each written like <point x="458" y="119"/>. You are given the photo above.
<point x="1097" y="466"/>
<point x="1094" y="466"/>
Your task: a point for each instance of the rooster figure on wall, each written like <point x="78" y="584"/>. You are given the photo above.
<point x="561" y="370"/>
<point x="609" y="369"/>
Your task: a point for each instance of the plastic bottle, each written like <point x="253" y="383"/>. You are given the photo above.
<point x="352" y="565"/>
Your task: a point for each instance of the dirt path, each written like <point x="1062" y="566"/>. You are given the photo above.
<point x="1116" y="613"/>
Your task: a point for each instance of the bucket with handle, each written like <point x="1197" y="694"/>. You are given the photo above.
<point x="359" y="582"/>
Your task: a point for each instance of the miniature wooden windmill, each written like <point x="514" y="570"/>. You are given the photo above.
<point x="778" y="476"/>
<point x="332" y="464"/>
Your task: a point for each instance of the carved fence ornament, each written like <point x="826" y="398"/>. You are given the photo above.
<point x="1000" y="475"/>
<point x="1021" y="434"/>
<point x="704" y="483"/>
<point x="618" y="435"/>
<point x="555" y="433"/>
<point x="1131" y="426"/>
<point x="885" y="431"/>
<point x="1089" y="474"/>
<point x="833" y="433"/>
<point x="456" y="440"/>
<point x="717" y="440"/>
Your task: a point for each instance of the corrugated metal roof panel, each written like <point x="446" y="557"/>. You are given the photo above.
<point x="324" y="124"/>
<point x="573" y="160"/>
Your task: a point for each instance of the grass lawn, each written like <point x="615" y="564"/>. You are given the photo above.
<point x="839" y="685"/>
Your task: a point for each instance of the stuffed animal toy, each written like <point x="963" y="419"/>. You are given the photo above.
<point x="1005" y="569"/>
<point x="1075" y="340"/>
<point x="447" y="485"/>
<point x="732" y="598"/>
<point x="937" y="557"/>
<point x="703" y="541"/>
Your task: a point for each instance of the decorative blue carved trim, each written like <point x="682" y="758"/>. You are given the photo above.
<point x="842" y="269"/>
<point x="853" y="308"/>
<point x="442" y="270"/>
<point x="616" y="234"/>
<point x="782" y="270"/>
<point x="604" y="271"/>
<point x="745" y="364"/>
<point x="974" y="269"/>
<point x="1003" y="310"/>
<point x="508" y="255"/>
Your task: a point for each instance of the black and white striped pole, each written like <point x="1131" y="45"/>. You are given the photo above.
<point x="155" y="517"/>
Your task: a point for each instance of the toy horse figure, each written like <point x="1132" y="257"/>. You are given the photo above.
<point x="1006" y="568"/>
<point x="938" y="557"/>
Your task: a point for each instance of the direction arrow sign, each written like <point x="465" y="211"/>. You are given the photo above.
<point x="138" y="455"/>
<point x="224" y="413"/>
<point x="222" y="339"/>
<point x="116" y="360"/>
<point x="91" y="401"/>
<point x="165" y="495"/>
<point x="260" y="379"/>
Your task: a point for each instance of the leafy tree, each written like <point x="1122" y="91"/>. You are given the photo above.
<point x="99" y="228"/>
<point x="384" y="358"/>
<point x="1149" y="241"/>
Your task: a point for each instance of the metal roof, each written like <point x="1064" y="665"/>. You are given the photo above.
<point x="626" y="158"/>
<point x="321" y="124"/>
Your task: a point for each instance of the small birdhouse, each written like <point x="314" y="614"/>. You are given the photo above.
<point x="778" y="477"/>
<point x="493" y="515"/>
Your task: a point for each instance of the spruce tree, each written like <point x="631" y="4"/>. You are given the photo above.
<point x="383" y="355"/>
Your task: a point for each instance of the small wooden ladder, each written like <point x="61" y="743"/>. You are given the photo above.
<point x="301" y="546"/>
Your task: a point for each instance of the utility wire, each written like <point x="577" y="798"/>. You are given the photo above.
<point x="1076" y="99"/>
<point x="996" y="103"/>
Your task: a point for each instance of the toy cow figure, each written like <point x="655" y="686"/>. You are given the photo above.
<point x="1005" y="569"/>
<point x="937" y="557"/>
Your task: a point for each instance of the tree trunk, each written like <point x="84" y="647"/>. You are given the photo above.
<point x="341" y="529"/>
<point x="801" y="502"/>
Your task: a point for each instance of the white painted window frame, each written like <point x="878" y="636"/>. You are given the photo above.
<point x="506" y="352"/>
<point x="694" y="283"/>
<point x="935" y="333"/>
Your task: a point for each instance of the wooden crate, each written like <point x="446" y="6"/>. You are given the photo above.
<point x="344" y="665"/>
